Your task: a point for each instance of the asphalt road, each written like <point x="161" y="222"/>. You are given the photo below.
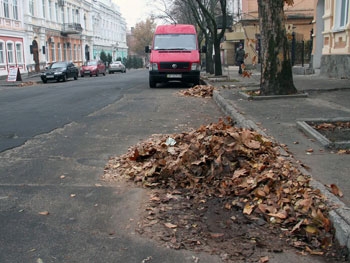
<point x="55" y="142"/>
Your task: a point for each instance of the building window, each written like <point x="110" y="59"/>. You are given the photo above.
<point x="6" y="9"/>
<point x="2" y="53"/>
<point x="53" y="55"/>
<point x="75" y="52"/>
<point x="15" y="9"/>
<point x="56" y="12"/>
<point x="69" y="51"/>
<point x="50" y="11"/>
<point x="10" y="57"/>
<point x="19" y="53"/>
<point x="79" y="52"/>
<point x="59" y="52"/>
<point x="46" y="51"/>
<point x="44" y="8"/>
<point x="62" y="15"/>
<point x="65" y="51"/>
<point x="68" y="15"/>
<point x="31" y="7"/>
<point x="341" y="14"/>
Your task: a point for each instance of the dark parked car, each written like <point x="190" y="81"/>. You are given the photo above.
<point x="93" y="68"/>
<point x="116" y="66"/>
<point x="60" y="71"/>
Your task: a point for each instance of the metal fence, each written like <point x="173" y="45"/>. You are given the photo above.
<point x="300" y="50"/>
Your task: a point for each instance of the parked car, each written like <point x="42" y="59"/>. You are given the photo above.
<point x="60" y="71"/>
<point x="93" y="68"/>
<point x="116" y="66"/>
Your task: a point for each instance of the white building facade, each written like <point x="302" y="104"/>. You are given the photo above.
<point x="44" y="31"/>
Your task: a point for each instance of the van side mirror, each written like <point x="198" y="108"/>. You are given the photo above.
<point x="147" y="49"/>
<point x="204" y="49"/>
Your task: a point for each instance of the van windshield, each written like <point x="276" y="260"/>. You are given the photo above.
<point x="175" y="42"/>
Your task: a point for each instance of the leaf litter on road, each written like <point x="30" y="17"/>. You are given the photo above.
<point x="218" y="170"/>
<point x="203" y="91"/>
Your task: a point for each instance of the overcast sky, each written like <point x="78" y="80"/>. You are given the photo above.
<point x="134" y="11"/>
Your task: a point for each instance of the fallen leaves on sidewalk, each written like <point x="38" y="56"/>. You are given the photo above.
<point x="332" y="125"/>
<point x="44" y="213"/>
<point x="335" y="190"/>
<point x="203" y="91"/>
<point x="334" y="131"/>
<point x="239" y="165"/>
<point x="27" y="83"/>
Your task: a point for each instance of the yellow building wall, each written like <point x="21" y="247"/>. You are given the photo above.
<point x="334" y="41"/>
<point x="295" y="15"/>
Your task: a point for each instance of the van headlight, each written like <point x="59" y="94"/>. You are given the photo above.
<point x="195" y="67"/>
<point x="153" y="66"/>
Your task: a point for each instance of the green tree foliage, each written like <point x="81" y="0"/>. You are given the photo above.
<point x="103" y="56"/>
<point x="109" y="58"/>
<point x="134" y="62"/>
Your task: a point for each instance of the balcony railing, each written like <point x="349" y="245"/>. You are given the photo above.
<point x="71" y="28"/>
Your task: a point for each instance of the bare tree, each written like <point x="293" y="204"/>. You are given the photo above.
<point x="143" y="34"/>
<point x="277" y="77"/>
<point x="211" y="10"/>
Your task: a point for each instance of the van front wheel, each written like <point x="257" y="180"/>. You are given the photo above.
<point x="152" y="84"/>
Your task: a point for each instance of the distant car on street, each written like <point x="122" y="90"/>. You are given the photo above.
<point x="93" y="68"/>
<point x="116" y="66"/>
<point x="60" y="71"/>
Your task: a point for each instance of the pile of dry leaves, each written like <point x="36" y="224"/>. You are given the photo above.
<point x="203" y="91"/>
<point x="238" y="165"/>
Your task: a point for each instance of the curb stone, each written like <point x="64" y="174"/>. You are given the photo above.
<point x="307" y="129"/>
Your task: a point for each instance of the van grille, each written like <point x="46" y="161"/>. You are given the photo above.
<point x="174" y="65"/>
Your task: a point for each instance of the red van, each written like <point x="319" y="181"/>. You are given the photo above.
<point x="174" y="55"/>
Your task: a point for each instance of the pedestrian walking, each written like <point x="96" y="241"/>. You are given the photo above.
<point x="240" y="55"/>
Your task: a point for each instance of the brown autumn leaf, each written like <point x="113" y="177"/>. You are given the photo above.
<point x="170" y="225"/>
<point x="44" y="213"/>
<point x="314" y="252"/>
<point x="255" y="60"/>
<point x="311" y="229"/>
<point x="135" y="155"/>
<point x="216" y="235"/>
<point x="289" y="2"/>
<point x="264" y="259"/>
<point x="248" y="209"/>
<point x="281" y="214"/>
<point x="335" y="190"/>
<point x="246" y="74"/>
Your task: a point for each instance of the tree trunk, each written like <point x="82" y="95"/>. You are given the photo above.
<point x="277" y="76"/>
<point x="209" y="56"/>
<point x="217" y="57"/>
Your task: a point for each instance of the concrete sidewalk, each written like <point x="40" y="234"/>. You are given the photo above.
<point x="280" y="117"/>
<point x="27" y="79"/>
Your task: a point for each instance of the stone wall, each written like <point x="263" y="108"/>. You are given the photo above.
<point x="335" y="66"/>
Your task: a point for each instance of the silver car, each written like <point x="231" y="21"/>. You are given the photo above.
<point x="116" y="66"/>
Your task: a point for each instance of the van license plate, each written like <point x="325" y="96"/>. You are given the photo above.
<point x="174" y="76"/>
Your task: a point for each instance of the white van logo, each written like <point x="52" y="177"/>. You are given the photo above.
<point x="174" y="66"/>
